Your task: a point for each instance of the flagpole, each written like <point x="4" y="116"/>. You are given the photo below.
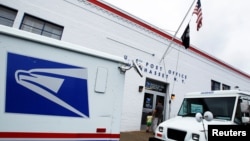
<point x="172" y="40"/>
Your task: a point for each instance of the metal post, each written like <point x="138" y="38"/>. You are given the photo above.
<point x="177" y="31"/>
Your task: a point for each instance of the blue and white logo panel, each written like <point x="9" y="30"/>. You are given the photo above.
<point x="37" y="86"/>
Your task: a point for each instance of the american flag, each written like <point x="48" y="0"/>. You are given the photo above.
<point x="198" y="12"/>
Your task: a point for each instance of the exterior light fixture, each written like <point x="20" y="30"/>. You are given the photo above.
<point x="172" y="96"/>
<point x="140" y="88"/>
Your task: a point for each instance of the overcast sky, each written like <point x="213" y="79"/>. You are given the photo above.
<point x="224" y="33"/>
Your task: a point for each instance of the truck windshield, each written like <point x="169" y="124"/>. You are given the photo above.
<point x="221" y="107"/>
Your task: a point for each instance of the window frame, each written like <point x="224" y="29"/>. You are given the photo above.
<point x="225" y="87"/>
<point x="215" y="85"/>
<point x="33" y="27"/>
<point x="9" y="20"/>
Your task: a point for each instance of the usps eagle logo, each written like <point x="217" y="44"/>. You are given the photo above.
<point x="37" y="86"/>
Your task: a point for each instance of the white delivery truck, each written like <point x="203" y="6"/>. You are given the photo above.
<point x="53" y="90"/>
<point x="200" y="109"/>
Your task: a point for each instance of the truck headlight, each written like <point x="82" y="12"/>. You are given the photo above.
<point x="195" y="137"/>
<point x="160" y="129"/>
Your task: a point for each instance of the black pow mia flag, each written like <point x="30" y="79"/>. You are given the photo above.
<point x="186" y="38"/>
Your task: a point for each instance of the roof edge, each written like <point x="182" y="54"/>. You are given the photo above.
<point x="155" y="30"/>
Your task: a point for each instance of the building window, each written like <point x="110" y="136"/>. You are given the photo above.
<point x="225" y="87"/>
<point x="41" y="27"/>
<point x="215" y="85"/>
<point x="7" y="16"/>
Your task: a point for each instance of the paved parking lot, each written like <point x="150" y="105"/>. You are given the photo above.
<point x="136" y="136"/>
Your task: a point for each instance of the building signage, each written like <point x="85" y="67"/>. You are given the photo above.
<point x="158" y="71"/>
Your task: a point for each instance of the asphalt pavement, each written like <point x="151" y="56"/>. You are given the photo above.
<point x="136" y="136"/>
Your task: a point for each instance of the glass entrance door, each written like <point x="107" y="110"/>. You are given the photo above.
<point x="148" y="105"/>
<point x="162" y="99"/>
<point x="154" y="91"/>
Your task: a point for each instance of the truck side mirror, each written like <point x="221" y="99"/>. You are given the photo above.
<point x="245" y="119"/>
<point x="208" y="116"/>
<point x="198" y="117"/>
<point x="244" y="107"/>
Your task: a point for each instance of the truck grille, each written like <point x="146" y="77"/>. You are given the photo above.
<point x="176" y="134"/>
